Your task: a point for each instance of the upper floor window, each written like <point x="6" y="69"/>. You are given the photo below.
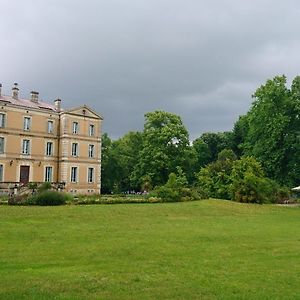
<point x="91" y="150"/>
<point x="1" y="172"/>
<point x="27" y="123"/>
<point x="50" y="126"/>
<point x="75" y="127"/>
<point x="49" y="148"/>
<point x="26" y="147"/>
<point x="74" y="174"/>
<point x="48" y="174"/>
<point x="2" y="120"/>
<point x="90" y="175"/>
<point x="1" y="145"/>
<point x="74" y="149"/>
<point x="91" y="130"/>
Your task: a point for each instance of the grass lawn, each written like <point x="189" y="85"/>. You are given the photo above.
<point x="196" y="250"/>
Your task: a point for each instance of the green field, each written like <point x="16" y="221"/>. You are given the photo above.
<point x="196" y="250"/>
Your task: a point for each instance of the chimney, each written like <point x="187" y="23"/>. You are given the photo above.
<point x="0" y="90"/>
<point x="34" y="97"/>
<point x="57" y="103"/>
<point x="15" y="91"/>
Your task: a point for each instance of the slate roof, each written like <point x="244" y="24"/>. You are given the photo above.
<point x="27" y="103"/>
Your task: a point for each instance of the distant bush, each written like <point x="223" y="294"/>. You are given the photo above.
<point x="50" y="198"/>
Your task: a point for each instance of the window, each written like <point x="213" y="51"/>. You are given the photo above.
<point x="27" y="123"/>
<point x="49" y="148"/>
<point x="91" y="129"/>
<point x="2" y="120"/>
<point x="50" y="126"/>
<point x="26" y="147"/>
<point x="74" y="174"/>
<point x="91" y="151"/>
<point x="1" y="145"/>
<point x="90" y="175"/>
<point x="75" y="127"/>
<point x="1" y="172"/>
<point x="74" y="149"/>
<point x="48" y="174"/>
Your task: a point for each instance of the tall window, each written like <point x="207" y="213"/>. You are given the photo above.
<point x="26" y="147"/>
<point x="49" y="148"/>
<point x="90" y="175"/>
<point x="2" y="120"/>
<point x="74" y="174"/>
<point x="1" y="172"/>
<point x="27" y="123"/>
<point x="91" y="129"/>
<point x="50" y="126"/>
<point x="48" y="174"/>
<point x="91" y="150"/>
<point x="1" y="145"/>
<point x="75" y="127"/>
<point x="74" y="149"/>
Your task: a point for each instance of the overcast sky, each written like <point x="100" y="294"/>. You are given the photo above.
<point x="199" y="59"/>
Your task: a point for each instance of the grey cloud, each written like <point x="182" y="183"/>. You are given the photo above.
<point x="200" y="59"/>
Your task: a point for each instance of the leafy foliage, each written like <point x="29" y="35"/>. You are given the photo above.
<point x="165" y="143"/>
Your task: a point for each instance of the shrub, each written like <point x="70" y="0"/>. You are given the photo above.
<point x="45" y="186"/>
<point x="50" y="198"/>
<point x="168" y="194"/>
<point x="17" y="200"/>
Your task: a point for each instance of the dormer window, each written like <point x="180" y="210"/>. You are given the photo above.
<point x="75" y="127"/>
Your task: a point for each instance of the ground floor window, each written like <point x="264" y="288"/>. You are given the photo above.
<point x="90" y="175"/>
<point x="74" y="174"/>
<point x="48" y="174"/>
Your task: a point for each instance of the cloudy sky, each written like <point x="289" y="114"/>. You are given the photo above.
<point x="199" y="59"/>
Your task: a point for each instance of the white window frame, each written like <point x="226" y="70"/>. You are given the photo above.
<point x="50" y="127"/>
<point x="91" y="150"/>
<point x="2" y="120"/>
<point x="48" y="173"/>
<point x="74" y="177"/>
<point x="3" y="147"/>
<point x="92" y="178"/>
<point x="51" y="148"/>
<point x="27" y="123"/>
<point x="75" y="127"/>
<point x="91" y="130"/>
<point x="26" y="148"/>
<point x="75" y="149"/>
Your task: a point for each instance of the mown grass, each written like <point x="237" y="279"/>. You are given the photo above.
<point x="195" y="250"/>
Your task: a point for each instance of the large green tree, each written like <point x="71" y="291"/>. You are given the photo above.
<point x="165" y="146"/>
<point x="273" y="135"/>
<point x="118" y="161"/>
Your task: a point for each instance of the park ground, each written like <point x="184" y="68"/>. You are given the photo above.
<point x="209" y="249"/>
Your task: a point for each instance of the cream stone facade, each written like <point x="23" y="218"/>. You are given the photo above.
<point x="42" y="142"/>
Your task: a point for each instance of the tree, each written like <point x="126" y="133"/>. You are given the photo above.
<point x="165" y="142"/>
<point x="273" y="135"/>
<point x="249" y="184"/>
<point x="118" y="161"/>
<point x="216" y="142"/>
<point x="214" y="179"/>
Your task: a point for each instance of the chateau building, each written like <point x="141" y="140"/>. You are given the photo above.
<point x="41" y="142"/>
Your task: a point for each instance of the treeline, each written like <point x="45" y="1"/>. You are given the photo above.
<point x="257" y="161"/>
